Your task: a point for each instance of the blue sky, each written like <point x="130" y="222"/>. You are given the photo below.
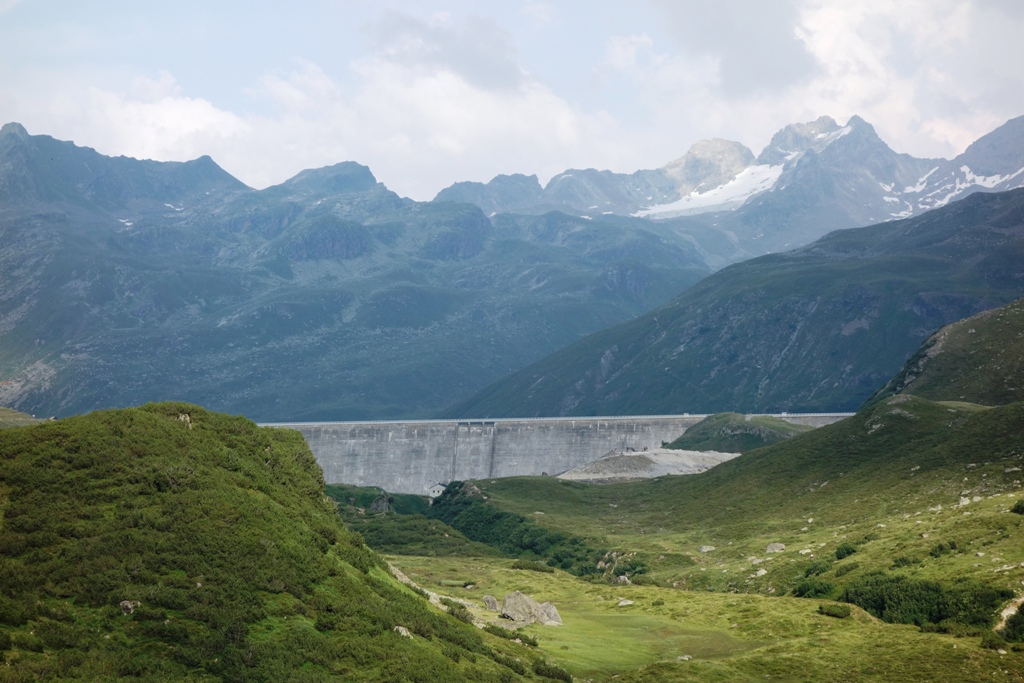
<point x="431" y="92"/>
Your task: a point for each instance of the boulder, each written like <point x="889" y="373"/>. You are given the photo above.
<point x="625" y="603"/>
<point x="705" y="548"/>
<point x="523" y="609"/>
<point x="491" y="603"/>
<point x="775" y="548"/>
<point x="625" y="580"/>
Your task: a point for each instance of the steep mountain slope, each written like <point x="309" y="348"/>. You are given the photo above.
<point x="325" y="297"/>
<point x="818" y="328"/>
<point x="977" y="360"/>
<point x="171" y="543"/>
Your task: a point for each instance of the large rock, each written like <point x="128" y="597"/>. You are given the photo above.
<point x="491" y="603"/>
<point x="775" y="548"/>
<point x="523" y="609"/>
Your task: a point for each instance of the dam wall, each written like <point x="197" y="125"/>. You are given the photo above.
<point x="409" y="457"/>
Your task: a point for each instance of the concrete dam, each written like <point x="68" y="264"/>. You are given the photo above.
<point x="409" y="457"/>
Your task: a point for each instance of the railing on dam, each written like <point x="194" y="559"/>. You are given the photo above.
<point x="408" y="456"/>
<point x="492" y="420"/>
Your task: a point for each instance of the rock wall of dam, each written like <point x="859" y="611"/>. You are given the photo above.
<point x="409" y="457"/>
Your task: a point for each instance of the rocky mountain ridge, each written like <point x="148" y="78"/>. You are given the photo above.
<point x="810" y="179"/>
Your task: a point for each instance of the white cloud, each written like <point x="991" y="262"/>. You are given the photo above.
<point x="427" y="97"/>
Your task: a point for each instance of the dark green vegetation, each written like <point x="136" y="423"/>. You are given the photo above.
<point x="818" y="328"/>
<point x="13" y="418"/>
<point x="168" y="542"/>
<point x="736" y="433"/>
<point x="978" y="360"/>
<point x="462" y="507"/>
<point x="394" y="523"/>
<point x="325" y="297"/>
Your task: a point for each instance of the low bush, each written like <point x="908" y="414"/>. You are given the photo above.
<point x="846" y="568"/>
<point x="458" y="610"/>
<point x="1014" y="630"/>
<point x="990" y="640"/>
<point x="529" y="565"/>
<point x="509" y="634"/>
<point x="817" y="567"/>
<point x="544" y="668"/>
<point x="899" y="599"/>
<point x="1018" y="507"/>
<point x="814" y="588"/>
<point x="943" y="548"/>
<point x="904" y="561"/>
<point x="834" y="610"/>
<point x="845" y="550"/>
<point x="510" y="663"/>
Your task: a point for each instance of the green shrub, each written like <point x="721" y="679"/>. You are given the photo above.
<point x="846" y="568"/>
<point x="904" y="561"/>
<point x="899" y="599"/>
<point x="510" y="663"/>
<point x="814" y="588"/>
<point x="658" y="603"/>
<point x="942" y="548"/>
<point x="845" y="550"/>
<point x="991" y="640"/>
<point x="1014" y="630"/>
<point x="817" y="567"/>
<point x="509" y="634"/>
<point x="511" y="533"/>
<point x="1018" y="507"/>
<point x="458" y="610"/>
<point x="533" y="566"/>
<point x="833" y="610"/>
<point x="542" y="667"/>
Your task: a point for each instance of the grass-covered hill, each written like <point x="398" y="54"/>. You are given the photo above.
<point x="736" y="433"/>
<point x="14" y="418"/>
<point x="818" y="328"/>
<point x="979" y="360"/>
<point x="171" y="543"/>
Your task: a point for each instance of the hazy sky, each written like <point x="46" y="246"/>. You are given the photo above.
<point x="430" y="92"/>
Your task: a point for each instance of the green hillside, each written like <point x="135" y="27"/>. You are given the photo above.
<point x="13" y="418"/>
<point x="811" y="330"/>
<point x="171" y="543"/>
<point x="979" y="360"/>
<point x="736" y="433"/>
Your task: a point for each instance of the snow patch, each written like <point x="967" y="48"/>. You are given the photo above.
<point x="922" y="182"/>
<point x="751" y="181"/>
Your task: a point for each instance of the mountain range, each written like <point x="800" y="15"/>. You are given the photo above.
<point x="810" y="179"/>
<point x="330" y="297"/>
<point x="815" y="329"/>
